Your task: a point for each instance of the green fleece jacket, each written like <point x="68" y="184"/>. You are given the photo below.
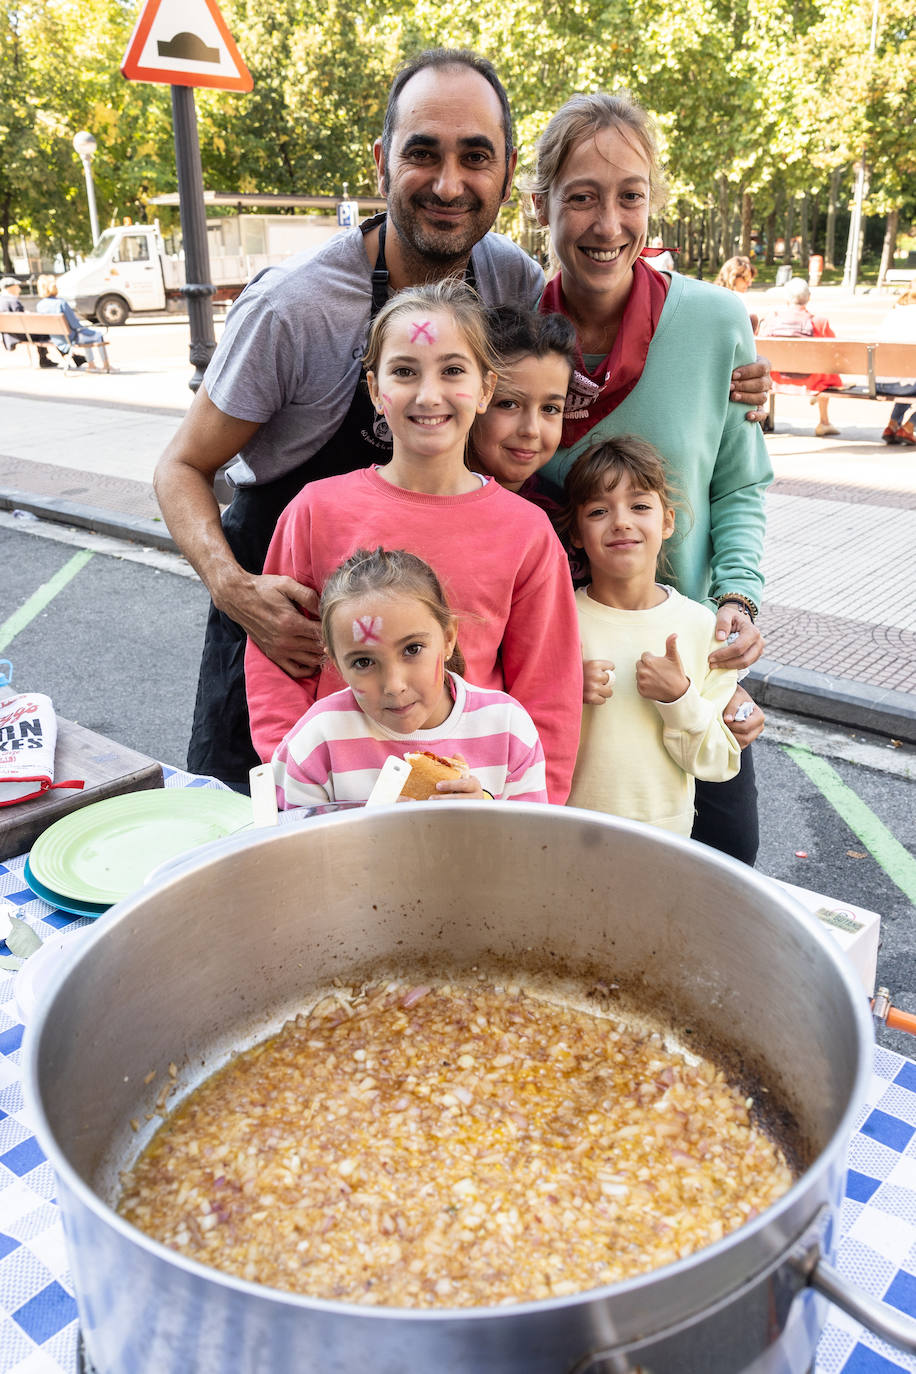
<point x="716" y="459"/>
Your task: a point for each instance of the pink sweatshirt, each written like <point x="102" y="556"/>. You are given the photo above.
<point x="502" y="569"/>
<point x="336" y="751"/>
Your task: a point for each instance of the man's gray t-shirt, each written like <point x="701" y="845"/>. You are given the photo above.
<point x="289" y="357"/>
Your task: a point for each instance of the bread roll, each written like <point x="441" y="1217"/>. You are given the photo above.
<point x="426" y="770"/>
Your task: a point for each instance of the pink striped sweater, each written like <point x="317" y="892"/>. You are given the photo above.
<point x="335" y="751"/>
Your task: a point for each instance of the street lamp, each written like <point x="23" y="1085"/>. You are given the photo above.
<point x="85" y="146"/>
<point x="851" y="268"/>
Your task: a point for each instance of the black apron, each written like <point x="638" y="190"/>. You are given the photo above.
<point x="220" y="745"/>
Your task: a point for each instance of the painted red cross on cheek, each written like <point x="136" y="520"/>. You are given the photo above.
<point x="422" y="333"/>
<point x="367" y="629"/>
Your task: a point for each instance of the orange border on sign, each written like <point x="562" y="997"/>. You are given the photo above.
<point x="131" y="69"/>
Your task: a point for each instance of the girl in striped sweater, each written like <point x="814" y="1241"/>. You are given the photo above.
<point x="391" y="635"/>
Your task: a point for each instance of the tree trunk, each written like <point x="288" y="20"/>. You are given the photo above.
<point x="725" y="224"/>
<point x="836" y="177"/>
<point x="803" y="230"/>
<point x="771" y="237"/>
<point x="6" y="213"/>
<point x="890" y="243"/>
<point x="787" y="233"/>
<point x="747" y="222"/>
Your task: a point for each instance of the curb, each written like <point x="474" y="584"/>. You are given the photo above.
<point x="837" y="700"/>
<point x="151" y="533"/>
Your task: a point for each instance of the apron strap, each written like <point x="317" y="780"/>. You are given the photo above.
<point x="379" y="275"/>
<point x="380" y="272"/>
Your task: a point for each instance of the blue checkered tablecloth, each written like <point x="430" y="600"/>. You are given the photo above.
<point x="38" y="1320"/>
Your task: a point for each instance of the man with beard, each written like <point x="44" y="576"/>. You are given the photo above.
<point x="284" y="392"/>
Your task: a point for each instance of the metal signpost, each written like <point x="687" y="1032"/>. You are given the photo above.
<point x="85" y="146"/>
<point x="183" y="44"/>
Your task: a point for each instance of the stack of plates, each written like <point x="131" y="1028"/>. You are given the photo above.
<point x="104" y="852"/>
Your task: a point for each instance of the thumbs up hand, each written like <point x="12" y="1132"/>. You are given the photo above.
<point x="662" y="677"/>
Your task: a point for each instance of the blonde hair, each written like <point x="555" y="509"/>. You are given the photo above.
<point x="583" y="116"/>
<point x="735" y="269"/>
<point x="452" y="297"/>
<point x="599" y="470"/>
<point x="390" y="572"/>
<point x="46" y="285"/>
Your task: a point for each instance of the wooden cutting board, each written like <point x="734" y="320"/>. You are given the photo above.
<point x="108" y="769"/>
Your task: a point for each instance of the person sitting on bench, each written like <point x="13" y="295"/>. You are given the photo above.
<point x="794" y="320"/>
<point x="9" y="301"/>
<point x="77" y="332"/>
<point x="900" y="327"/>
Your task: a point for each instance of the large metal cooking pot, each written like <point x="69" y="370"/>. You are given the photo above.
<point x="220" y="951"/>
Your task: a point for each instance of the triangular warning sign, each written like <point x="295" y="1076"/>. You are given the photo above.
<point x="185" y="43"/>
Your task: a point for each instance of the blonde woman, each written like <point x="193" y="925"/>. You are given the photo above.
<point x="736" y="275"/>
<point x="49" y="303"/>
<point x="656" y="353"/>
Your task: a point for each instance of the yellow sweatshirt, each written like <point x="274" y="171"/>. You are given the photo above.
<point x="639" y="758"/>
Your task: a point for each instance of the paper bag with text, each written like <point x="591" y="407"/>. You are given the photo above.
<point x="28" y="734"/>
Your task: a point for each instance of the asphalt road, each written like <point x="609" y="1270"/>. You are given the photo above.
<point x="117" y="645"/>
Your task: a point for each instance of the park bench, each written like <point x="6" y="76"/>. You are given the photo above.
<point x="33" y="328"/>
<point x="851" y="358"/>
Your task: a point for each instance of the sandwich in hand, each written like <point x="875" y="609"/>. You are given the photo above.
<point x="426" y="770"/>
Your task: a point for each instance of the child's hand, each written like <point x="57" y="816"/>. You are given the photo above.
<point x="597" y="681"/>
<point x="461" y="787"/>
<point x="662" y="678"/>
<point x="468" y="786"/>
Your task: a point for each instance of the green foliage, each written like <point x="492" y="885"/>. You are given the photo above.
<point x="755" y="98"/>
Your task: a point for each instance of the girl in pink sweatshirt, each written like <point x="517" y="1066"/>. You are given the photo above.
<point x="430" y="372"/>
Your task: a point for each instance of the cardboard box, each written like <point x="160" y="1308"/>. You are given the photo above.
<point x="855" y="930"/>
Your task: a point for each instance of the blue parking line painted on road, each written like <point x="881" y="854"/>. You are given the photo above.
<point x="39" y="599"/>
<point x="884" y="847"/>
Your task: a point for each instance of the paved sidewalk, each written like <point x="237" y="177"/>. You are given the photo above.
<point x="840" y="608"/>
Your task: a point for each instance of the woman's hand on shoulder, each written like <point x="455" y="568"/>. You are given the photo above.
<point x="750" y="386"/>
<point x="597" y="681"/>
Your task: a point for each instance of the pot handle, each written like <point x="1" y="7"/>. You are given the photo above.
<point x="884" y="1321"/>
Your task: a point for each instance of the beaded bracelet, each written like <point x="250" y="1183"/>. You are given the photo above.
<point x="737" y="599"/>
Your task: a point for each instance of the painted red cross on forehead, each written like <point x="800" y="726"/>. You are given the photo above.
<point x="423" y="333"/>
<point x="367" y="629"/>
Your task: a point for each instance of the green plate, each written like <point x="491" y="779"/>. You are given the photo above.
<point x="105" y="851"/>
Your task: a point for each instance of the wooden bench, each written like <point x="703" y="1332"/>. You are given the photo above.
<point x="849" y="358"/>
<point x="34" y="328"/>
